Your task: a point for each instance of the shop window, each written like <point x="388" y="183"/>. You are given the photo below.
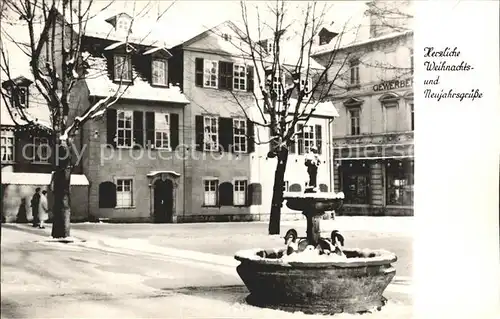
<point x="355" y="182"/>
<point x="400" y="181"/>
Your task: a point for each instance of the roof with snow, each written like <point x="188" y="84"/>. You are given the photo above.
<point x="326" y="109"/>
<point x="18" y="178"/>
<point x="345" y="44"/>
<point x="100" y="83"/>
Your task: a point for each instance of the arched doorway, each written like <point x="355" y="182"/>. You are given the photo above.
<point x="163" y="201"/>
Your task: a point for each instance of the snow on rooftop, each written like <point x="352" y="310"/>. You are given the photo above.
<point x="17" y="178"/>
<point x="320" y="108"/>
<point x="347" y="44"/>
<point x="100" y="84"/>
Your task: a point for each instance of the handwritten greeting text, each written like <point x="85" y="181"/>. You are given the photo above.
<point x="446" y="60"/>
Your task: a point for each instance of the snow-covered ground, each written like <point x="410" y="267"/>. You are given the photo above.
<point x="107" y="277"/>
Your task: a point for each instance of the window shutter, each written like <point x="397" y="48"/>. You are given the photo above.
<point x="199" y="132"/>
<point x="300" y="140"/>
<point x="199" y="72"/>
<point x="138" y="128"/>
<point x="150" y="129"/>
<point x="107" y="195"/>
<point x="254" y="194"/>
<point x="226" y="133"/>
<point x="226" y="194"/>
<point x="111" y="126"/>
<point x="318" y="138"/>
<point x="250" y="136"/>
<point x="225" y="75"/>
<point x="250" y="77"/>
<point x="174" y="130"/>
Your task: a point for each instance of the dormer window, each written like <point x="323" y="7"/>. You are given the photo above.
<point x="326" y="36"/>
<point x="159" y="72"/>
<point x="20" y="97"/>
<point x="226" y="37"/>
<point x="121" y="22"/>
<point x="123" y="67"/>
<point x="18" y="91"/>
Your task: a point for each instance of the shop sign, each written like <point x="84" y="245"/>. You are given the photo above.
<point x="374" y="151"/>
<point x="393" y="84"/>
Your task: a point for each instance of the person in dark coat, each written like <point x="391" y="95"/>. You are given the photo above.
<point x="35" y="204"/>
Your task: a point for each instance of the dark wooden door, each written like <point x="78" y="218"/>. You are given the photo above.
<point x="163" y="201"/>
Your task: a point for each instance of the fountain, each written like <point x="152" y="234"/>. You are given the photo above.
<point x="314" y="274"/>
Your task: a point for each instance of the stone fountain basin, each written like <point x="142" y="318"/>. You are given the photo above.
<point x="317" y="284"/>
<point x="317" y="202"/>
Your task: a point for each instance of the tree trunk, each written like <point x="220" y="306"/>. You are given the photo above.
<point x="277" y="201"/>
<point x="61" y="209"/>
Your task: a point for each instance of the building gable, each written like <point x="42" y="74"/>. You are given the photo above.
<point x="225" y="38"/>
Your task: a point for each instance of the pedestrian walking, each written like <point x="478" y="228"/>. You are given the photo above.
<point x="43" y="210"/>
<point x="35" y="203"/>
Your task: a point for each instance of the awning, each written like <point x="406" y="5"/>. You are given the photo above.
<point x="15" y="178"/>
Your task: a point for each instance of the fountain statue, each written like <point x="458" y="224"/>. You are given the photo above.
<point x="313" y="274"/>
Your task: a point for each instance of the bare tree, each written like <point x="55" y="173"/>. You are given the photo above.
<point x="55" y="30"/>
<point x="389" y="16"/>
<point x="283" y="105"/>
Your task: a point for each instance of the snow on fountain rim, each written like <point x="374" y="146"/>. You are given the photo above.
<point x="331" y="195"/>
<point x="381" y="257"/>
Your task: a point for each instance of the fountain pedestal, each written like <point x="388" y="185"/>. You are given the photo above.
<point x="313" y="231"/>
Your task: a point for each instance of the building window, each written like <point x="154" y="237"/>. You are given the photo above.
<point x="400" y="179"/>
<point x="354" y="72"/>
<point x="123" y="24"/>
<point x="356" y="181"/>
<point x="306" y="84"/>
<point x="240" y="135"/>
<point x="412" y="117"/>
<point x="278" y="86"/>
<point x="354" y="117"/>
<point x="159" y="67"/>
<point x="210" y="192"/>
<point x="306" y="140"/>
<point x="211" y="134"/>
<point x="123" y="68"/>
<point x="211" y="73"/>
<point x="124" y="129"/>
<point x="239" y="77"/>
<point x="226" y="37"/>
<point x="41" y="150"/>
<point x="124" y="193"/>
<point x="7" y="147"/>
<point x="162" y="130"/>
<point x="391" y="117"/>
<point x="240" y="191"/>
